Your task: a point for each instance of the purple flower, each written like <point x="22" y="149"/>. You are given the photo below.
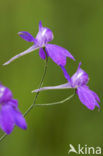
<point x="45" y="35"/>
<point x="79" y="82"/>
<point x="9" y="112"/>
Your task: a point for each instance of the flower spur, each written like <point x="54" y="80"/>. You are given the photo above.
<point x="79" y="82"/>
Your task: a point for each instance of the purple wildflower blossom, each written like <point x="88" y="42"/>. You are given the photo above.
<point x="9" y="112"/>
<point x="45" y="35"/>
<point x="79" y="82"/>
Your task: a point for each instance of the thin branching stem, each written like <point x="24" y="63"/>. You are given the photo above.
<point x="36" y="96"/>
<point x="41" y="83"/>
<point x="56" y="103"/>
<point x="47" y="104"/>
<point x="3" y="137"/>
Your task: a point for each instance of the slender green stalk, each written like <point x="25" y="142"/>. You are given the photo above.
<point x="36" y="96"/>
<point x="47" y="104"/>
<point x="56" y="103"/>
<point x="3" y="137"/>
<point x="41" y="83"/>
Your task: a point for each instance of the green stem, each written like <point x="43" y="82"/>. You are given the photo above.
<point x="3" y="136"/>
<point x="36" y="96"/>
<point x="56" y="103"/>
<point x="41" y="83"/>
<point x="47" y="104"/>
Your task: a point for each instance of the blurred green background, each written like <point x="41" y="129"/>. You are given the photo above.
<point x="78" y="26"/>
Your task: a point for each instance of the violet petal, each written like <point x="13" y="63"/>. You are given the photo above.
<point x="6" y="119"/>
<point x="87" y="98"/>
<point x="19" y="119"/>
<point x="58" y="54"/>
<point x="80" y="77"/>
<point x="13" y="103"/>
<point x="96" y="96"/>
<point x="42" y="53"/>
<point x="26" y="36"/>
<point x="5" y="94"/>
